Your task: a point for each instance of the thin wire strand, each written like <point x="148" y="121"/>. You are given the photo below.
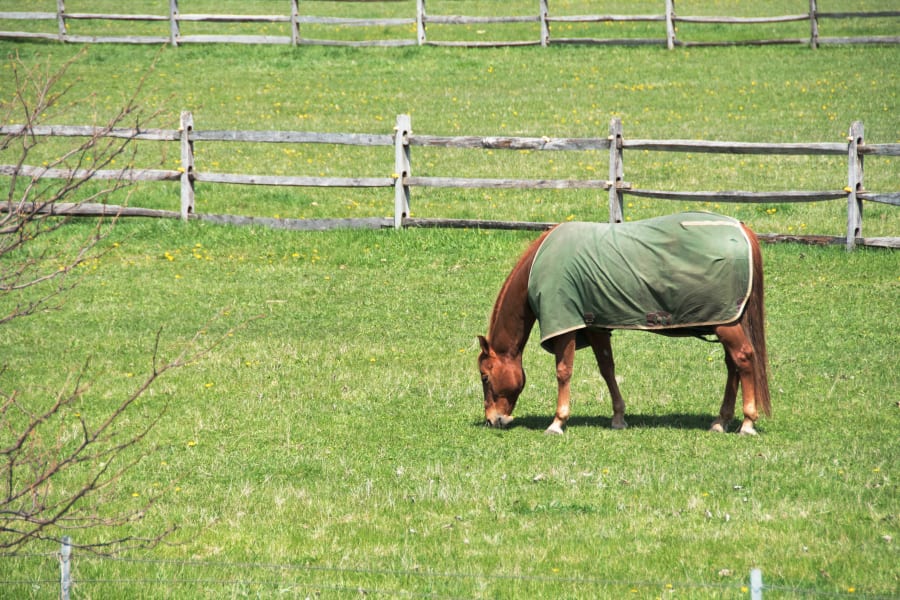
<point x="388" y="573"/>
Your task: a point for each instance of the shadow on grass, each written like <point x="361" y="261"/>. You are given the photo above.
<point x="669" y="421"/>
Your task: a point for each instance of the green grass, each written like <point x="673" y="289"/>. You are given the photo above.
<point x="336" y="444"/>
<point x="340" y="436"/>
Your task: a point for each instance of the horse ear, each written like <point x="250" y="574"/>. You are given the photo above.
<point x="485" y="346"/>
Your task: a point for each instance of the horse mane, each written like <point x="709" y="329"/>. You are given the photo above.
<point x="516" y="284"/>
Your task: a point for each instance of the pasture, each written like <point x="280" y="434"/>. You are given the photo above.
<point x="335" y="446"/>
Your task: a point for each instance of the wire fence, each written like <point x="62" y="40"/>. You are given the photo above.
<point x="75" y="576"/>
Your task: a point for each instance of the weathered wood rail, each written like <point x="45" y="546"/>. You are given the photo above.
<point x="297" y="24"/>
<point x="402" y="179"/>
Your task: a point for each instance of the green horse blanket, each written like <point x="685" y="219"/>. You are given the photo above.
<point x="685" y="271"/>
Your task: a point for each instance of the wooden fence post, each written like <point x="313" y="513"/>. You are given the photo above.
<point x="854" y="184"/>
<point x="545" y="26"/>
<point x="61" y="19"/>
<point x="295" y="23"/>
<point x="670" y="24"/>
<point x="65" y="573"/>
<point x="187" y="165"/>
<point x="616" y="171"/>
<point x="420" y="21"/>
<point x="813" y="25"/>
<point x="174" y="29"/>
<point x="401" y="169"/>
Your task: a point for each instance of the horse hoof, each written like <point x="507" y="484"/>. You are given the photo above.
<point x="554" y="429"/>
<point x="619" y="425"/>
<point x="748" y="431"/>
<point x="717" y="428"/>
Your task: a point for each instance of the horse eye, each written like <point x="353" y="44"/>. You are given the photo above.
<point x="484" y="378"/>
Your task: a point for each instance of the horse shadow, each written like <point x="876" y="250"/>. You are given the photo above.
<point x="635" y="421"/>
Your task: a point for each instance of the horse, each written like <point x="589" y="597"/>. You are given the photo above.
<point x="650" y="253"/>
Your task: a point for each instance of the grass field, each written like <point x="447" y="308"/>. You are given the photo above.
<point x="336" y="444"/>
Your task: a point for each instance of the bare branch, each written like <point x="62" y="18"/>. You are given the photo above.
<point x="40" y="447"/>
<point x="30" y="507"/>
<point x="39" y="89"/>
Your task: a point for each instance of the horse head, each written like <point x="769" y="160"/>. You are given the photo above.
<point x="503" y="378"/>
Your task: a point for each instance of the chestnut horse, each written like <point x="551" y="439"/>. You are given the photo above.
<point x="513" y="317"/>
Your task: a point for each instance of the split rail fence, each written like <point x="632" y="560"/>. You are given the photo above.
<point x="543" y="20"/>
<point x="402" y="178"/>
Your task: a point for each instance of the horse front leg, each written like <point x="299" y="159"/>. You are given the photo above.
<point x="602" y="346"/>
<point x="564" y="349"/>
<point x="739" y="359"/>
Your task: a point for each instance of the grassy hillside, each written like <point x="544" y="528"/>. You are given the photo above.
<point x="336" y="444"/>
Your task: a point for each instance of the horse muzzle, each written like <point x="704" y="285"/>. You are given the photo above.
<point x="499" y="421"/>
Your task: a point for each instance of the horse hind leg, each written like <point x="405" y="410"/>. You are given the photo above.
<point x="602" y="347"/>
<point x="739" y="361"/>
<point x="726" y="412"/>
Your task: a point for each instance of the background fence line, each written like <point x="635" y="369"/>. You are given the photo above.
<point x="543" y="19"/>
<point x="69" y="580"/>
<point x="402" y="179"/>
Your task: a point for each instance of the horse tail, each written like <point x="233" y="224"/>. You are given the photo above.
<point x="753" y="322"/>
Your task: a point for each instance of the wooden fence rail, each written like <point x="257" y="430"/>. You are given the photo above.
<point x="402" y="179"/>
<point x="543" y="20"/>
